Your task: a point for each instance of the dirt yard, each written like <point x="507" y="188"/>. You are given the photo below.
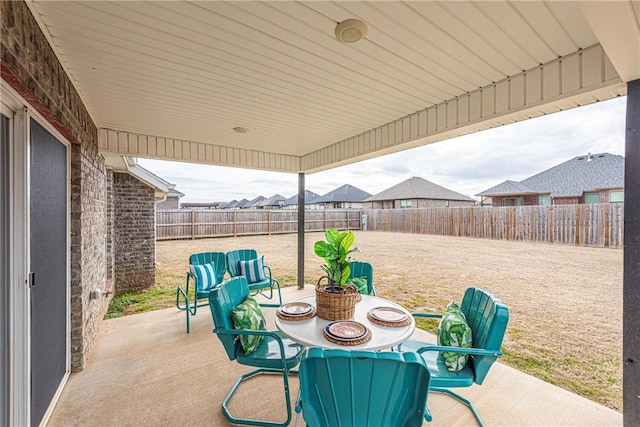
<point x="565" y="302"/>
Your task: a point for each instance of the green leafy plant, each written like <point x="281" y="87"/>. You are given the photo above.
<point x="335" y="252"/>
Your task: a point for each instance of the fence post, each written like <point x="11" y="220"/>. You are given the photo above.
<point x="347" y="211"/>
<point x="193" y="224"/>
<point x="269" y="222"/>
<point x="325" y="218"/>
<point x="235" y="223"/>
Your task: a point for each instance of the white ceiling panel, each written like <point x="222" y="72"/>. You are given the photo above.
<point x="189" y="72"/>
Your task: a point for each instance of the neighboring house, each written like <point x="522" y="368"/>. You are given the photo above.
<point x="227" y="205"/>
<point x="292" y="202"/>
<point x="274" y="202"/>
<point x="241" y="204"/>
<point x="171" y="200"/>
<point x="166" y="195"/>
<point x="213" y="205"/>
<point x="417" y="192"/>
<point x="594" y="178"/>
<point x="253" y="204"/>
<point x="231" y="205"/>
<point x="344" y="197"/>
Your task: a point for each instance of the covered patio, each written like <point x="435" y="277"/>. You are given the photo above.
<point x="294" y="87"/>
<point x="145" y="370"/>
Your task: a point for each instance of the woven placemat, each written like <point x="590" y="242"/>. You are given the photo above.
<point x="307" y="316"/>
<point x="364" y="339"/>
<point x="405" y="322"/>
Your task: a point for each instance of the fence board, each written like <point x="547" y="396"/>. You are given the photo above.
<point x="598" y="225"/>
<point x="195" y="224"/>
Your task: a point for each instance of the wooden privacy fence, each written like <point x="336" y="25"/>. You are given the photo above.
<point x="599" y="225"/>
<point x="195" y="224"/>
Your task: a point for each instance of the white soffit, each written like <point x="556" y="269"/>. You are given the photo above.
<point x="617" y="26"/>
<point x="171" y="80"/>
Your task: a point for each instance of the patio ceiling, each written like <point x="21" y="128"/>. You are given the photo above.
<point x="170" y="80"/>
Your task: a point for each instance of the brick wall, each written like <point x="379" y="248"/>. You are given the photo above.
<point x="417" y="203"/>
<point x="29" y="65"/>
<point x="568" y="201"/>
<point x="433" y="203"/>
<point x="111" y="233"/>
<point x="134" y="216"/>
<point x="528" y="200"/>
<point x="88" y="255"/>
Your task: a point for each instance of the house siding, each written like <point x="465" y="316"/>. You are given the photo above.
<point x="168" y="203"/>
<point x="135" y="233"/>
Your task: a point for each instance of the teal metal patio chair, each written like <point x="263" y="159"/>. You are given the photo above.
<point x="487" y="317"/>
<point x="361" y="388"/>
<point x="274" y="355"/>
<point x="363" y="269"/>
<point x="200" y="288"/>
<point x="257" y="273"/>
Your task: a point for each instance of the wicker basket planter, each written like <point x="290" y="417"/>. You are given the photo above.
<point x="336" y="306"/>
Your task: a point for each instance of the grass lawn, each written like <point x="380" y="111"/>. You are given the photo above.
<point x="565" y="302"/>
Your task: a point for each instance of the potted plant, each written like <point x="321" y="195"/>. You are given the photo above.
<point x="337" y="299"/>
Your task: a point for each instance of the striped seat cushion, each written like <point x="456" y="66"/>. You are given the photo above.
<point x="205" y="276"/>
<point x="253" y="270"/>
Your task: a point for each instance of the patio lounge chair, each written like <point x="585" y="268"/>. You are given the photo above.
<point x="274" y="355"/>
<point x="362" y="388"/>
<point x="363" y="269"/>
<point x="202" y="287"/>
<point x="259" y="278"/>
<point x="487" y="317"/>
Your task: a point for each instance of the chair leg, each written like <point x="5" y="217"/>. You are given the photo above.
<point x="245" y="421"/>
<point x="462" y="400"/>
<point x="270" y="296"/>
<point x="187" y="308"/>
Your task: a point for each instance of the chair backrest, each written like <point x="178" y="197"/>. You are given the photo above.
<point x="219" y="260"/>
<point x="357" y="388"/>
<point x="363" y="269"/>
<point x="488" y="317"/>
<point x="234" y="258"/>
<point x="221" y="300"/>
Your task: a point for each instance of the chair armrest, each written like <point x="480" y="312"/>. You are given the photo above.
<point x="267" y="270"/>
<point x="461" y="350"/>
<point x="427" y="315"/>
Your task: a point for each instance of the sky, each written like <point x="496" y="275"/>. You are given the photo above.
<point x="468" y="164"/>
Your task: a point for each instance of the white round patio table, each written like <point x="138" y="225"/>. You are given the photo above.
<point x="310" y="332"/>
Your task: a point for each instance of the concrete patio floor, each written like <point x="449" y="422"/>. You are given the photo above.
<point x="145" y="370"/>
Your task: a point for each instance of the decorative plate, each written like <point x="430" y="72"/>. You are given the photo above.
<point x="388" y="314"/>
<point x="346" y="330"/>
<point x="296" y="308"/>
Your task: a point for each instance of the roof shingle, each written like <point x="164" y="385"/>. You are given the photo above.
<point x="418" y="188"/>
<point x="569" y="179"/>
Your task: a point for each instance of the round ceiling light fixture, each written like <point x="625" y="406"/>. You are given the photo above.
<point x="240" y="129"/>
<point x="351" y="31"/>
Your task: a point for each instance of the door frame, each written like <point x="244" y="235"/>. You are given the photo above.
<point x="20" y="112"/>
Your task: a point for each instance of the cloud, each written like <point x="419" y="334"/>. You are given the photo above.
<point x="468" y="164"/>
